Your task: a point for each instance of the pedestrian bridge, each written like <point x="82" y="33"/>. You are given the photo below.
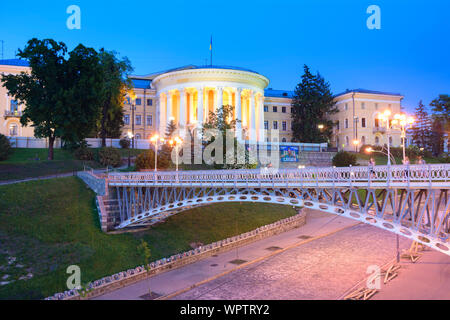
<point x="412" y="200"/>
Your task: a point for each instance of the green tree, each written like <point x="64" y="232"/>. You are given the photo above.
<point x="312" y="103"/>
<point x="223" y="121"/>
<point x="441" y="109"/>
<point x="60" y="96"/>
<point x="421" y="131"/>
<point x="437" y="137"/>
<point x="145" y="253"/>
<point x="115" y="84"/>
<point x="83" y="78"/>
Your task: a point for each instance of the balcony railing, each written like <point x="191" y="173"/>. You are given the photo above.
<point x="379" y="129"/>
<point x="15" y="113"/>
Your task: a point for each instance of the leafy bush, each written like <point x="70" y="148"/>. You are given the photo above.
<point x="84" y="154"/>
<point x="124" y="143"/>
<point x="109" y="157"/>
<point x="146" y="160"/>
<point x="344" y="159"/>
<point x="5" y="147"/>
<point x="444" y="159"/>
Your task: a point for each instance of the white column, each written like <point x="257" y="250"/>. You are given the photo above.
<point x="238" y="114"/>
<point x="168" y="107"/>
<point x="191" y="108"/>
<point x="182" y="120"/>
<point x="200" y="117"/>
<point x="157" y="119"/>
<point x="163" y="113"/>
<point x="252" y="117"/>
<point x="206" y="106"/>
<point x="261" y="119"/>
<point x="219" y="98"/>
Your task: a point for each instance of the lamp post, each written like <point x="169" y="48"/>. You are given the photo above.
<point x="130" y="136"/>
<point x="356" y="143"/>
<point x="176" y="141"/>
<point x="132" y="97"/>
<point x="155" y="140"/>
<point x="385" y="116"/>
<point x="403" y="121"/>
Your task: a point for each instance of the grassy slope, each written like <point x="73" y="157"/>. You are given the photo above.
<point x="29" y="163"/>
<point x="49" y="225"/>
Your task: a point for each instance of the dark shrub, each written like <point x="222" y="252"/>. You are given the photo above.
<point x="124" y="143"/>
<point x="344" y="159"/>
<point x="109" y="157"/>
<point x="146" y="160"/>
<point x="84" y="154"/>
<point x="5" y="147"/>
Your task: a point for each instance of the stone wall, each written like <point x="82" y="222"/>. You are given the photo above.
<point x="125" y="278"/>
<point x="98" y="185"/>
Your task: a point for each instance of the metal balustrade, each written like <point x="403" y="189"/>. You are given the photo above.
<point x="427" y="176"/>
<point x="410" y="200"/>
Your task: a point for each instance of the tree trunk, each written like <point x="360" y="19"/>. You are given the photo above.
<point x="105" y="109"/>
<point x="51" y="142"/>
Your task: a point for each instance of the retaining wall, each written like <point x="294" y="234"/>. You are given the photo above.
<point x="125" y="278"/>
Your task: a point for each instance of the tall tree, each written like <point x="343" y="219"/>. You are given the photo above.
<point x="421" y="130"/>
<point x="83" y="82"/>
<point x="441" y="109"/>
<point x="222" y="120"/>
<point x="40" y="90"/>
<point x="437" y="137"/>
<point x="115" y="83"/>
<point x="312" y="103"/>
<point x="59" y="95"/>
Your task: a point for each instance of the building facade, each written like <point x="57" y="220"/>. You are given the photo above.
<point x="188" y="94"/>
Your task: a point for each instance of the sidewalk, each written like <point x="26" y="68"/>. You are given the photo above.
<point x="318" y="224"/>
<point x="427" y="279"/>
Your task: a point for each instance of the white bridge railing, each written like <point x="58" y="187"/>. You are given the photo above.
<point x="429" y="175"/>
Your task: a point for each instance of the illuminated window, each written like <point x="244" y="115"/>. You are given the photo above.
<point x="13" y="129"/>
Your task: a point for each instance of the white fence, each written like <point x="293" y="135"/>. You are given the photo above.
<point x="31" y="142"/>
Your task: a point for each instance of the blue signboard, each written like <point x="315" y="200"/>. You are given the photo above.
<point x="289" y="153"/>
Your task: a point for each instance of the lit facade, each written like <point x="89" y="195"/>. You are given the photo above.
<point x="188" y="94"/>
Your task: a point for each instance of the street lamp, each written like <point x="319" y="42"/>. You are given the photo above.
<point x="356" y="143"/>
<point x="176" y="141"/>
<point x="370" y="150"/>
<point x="132" y="96"/>
<point x="155" y="140"/>
<point x="130" y="136"/>
<point x="403" y="121"/>
<point x="386" y="116"/>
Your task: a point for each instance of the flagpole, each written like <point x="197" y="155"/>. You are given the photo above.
<point x="210" y="49"/>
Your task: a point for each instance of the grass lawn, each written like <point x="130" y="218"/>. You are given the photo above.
<point x="381" y="159"/>
<point x="30" y="163"/>
<point x="50" y="224"/>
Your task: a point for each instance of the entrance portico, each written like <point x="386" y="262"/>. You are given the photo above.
<point x="188" y="96"/>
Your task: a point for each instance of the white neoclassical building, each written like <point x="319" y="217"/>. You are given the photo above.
<point x="187" y="95"/>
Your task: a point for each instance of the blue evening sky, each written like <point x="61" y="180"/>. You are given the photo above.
<point x="409" y="55"/>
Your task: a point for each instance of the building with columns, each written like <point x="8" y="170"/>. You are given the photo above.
<point x="188" y="94"/>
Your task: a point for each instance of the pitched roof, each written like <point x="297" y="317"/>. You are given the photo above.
<point x="369" y="92"/>
<point x="278" y="93"/>
<point x="14" y="62"/>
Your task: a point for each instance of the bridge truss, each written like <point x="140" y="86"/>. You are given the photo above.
<point x="412" y="201"/>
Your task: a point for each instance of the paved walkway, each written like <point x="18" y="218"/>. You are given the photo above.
<point x="54" y="176"/>
<point x="217" y="269"/>
<point x="427" y="279"/>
